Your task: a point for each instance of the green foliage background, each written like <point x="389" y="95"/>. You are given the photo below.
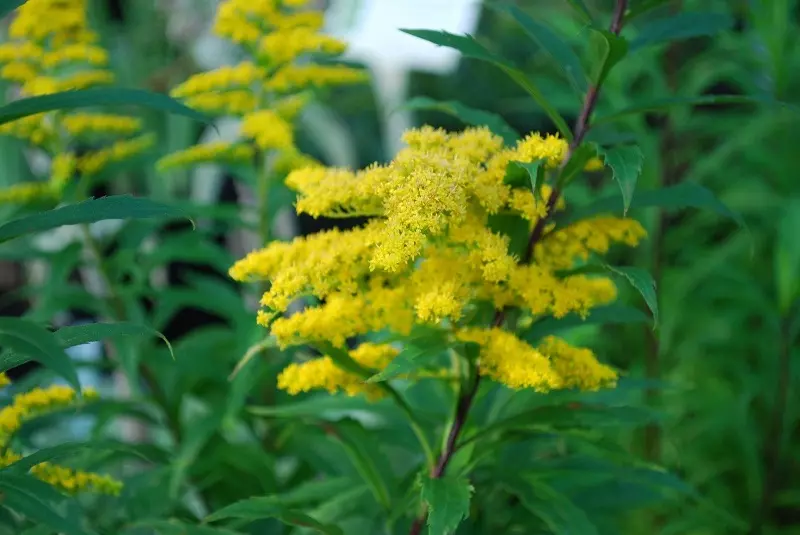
<point x="710" y="395"/>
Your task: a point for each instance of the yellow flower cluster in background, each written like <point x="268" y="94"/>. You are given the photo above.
<point x="38" y="402"/>
<point x="282" y="40"/>
<point x="428" y="254"/>
<point x="52" y="49"/>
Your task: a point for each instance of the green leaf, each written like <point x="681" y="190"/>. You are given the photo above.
<point x="468" y="46"/>
<point x="104" y="96"/>
<point x="265" y="507"/>
<point x="7" y="6"/>
<point x="176" y="527"/>
<point x="66" y="450"/>
<point x="612" y="49"/>
<point x="577" y="162"/>
<point x="680" y="26"/>
<point x="643" y="282"/>
<point x="641" y="8"/>
<point x="626" y="163"/>
<point x="562" y="54"/>
<point x="683" y="195"/>
<point x="467" y="115"/>
<point x="28" y="338"/>
<point x="605" y="315"/>
<point x="408" y="360"/>
<point x="115" y="207"/>
<point x="664" y="104"/>
<point x="321" y="407"/>
<point x="342" y="359"/>
<point x="198" y="436"/>
<point x="553" y="508"/>
<point x="448" y="503"/>
<point x="515" y="175"/>
<point x="787" y="257"/>
<point x="583" y="11"/>
<point x="362" y="448"/>
<point x="35" y="499"/>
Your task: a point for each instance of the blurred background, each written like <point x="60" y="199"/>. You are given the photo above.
<point x="725" y="354"/>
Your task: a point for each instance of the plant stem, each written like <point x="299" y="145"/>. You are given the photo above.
<point x="773" y="451"/>
<point x="467" y="397"/>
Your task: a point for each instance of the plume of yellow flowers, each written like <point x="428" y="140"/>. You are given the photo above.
<point x="38" y="402"/>
<point x="282" y="42"/>
<point x="429" y="254"/>
<point x="52" y="49"/>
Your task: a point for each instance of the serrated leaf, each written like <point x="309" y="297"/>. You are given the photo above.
<point x="265" y="507"/>
<point x="561" y="53"/>
<point x="469" y="47"/>
<point x="553" y="508"/>
<point x="683" y="195"/>
<point x="407" y="361"/>
<point x="115" y="207"/>
<point x="680" y="26"/>
<point x="102" y="96"/>
<point x="787" y="257"/>
<point x="448" y="503"/>
<point x="626" y="163"/>
<point x="612" y="49"/>
<point x="467" y="115"/>
<point x="643" y="282"/>
<point x="29" y="339"/>
<point x="605" y="315"/>
<point x="7" y="6"/>
<point x="35" y="499"/>
<point x="664" y="104"/>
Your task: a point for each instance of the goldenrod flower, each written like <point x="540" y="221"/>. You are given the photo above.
<point x="218" y="151"/>
<point x="96" y="161"/>
<point x="82" y="124"/>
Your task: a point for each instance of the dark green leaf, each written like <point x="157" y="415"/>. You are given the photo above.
<point x="116" y="207"/>
<point x="643" y="7"/>
<point x="577" y="162"/>
<point x="36" y="500"/>
<point x="266" y="507"/>
<point x="7" y="6"/>
<point x="29" y="339"/>
<point x="473" y="49"/>
<point x="663" y="105"/>
<point x="626" y="163"/>
<point x="787" y="257"/>
<point x="681" y="26"/>
<point x="467" y="115"/>
<point x="448" y="503"/>
<point x="362" y="448"/>
<point x="561" y="53"/>
<point x="407" y="361"/>
<point x="198" y="436"/>
<point x="66" y="450"/>
<point x="610" y="314"/>
<point x="612" y="49"/>
<point x="87" y="98"/>
<point x="643" y="282"/>
<point x="683" y="195"/>
<point x="175" y="527"/>
<point x="553" y="508"/>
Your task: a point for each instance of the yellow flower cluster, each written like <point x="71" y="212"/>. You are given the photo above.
<point x="35" y="403"/>
<point x="218" y="151"/>
<point x="265" y="90"/>
<point x="51" y="49"/>
<point x="429" y="254"/>
<point x="322" y="373"/>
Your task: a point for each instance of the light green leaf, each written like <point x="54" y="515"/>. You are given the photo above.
<point x="468" y="46"/>
<point x="680" y="26"/>
<point x="643" y="282"/>
<point x="104" y="96"/>
<point x="517" y="173"/>
<point x="562" y="54"/>
<point x="683" y="195"/>
<point x="553" y="508"/>
<point x="448" y="503"/>
<point x="787" y="257"/>
<point x="467" y="115"/>
<point x="626" y="163"/>
<point x="605" y="315"/>
<point x="29" y="339"/>
<point x="408" y="360"/>
<point x="265" y="507"/>
<point x="115" y="207"/>
<point x="7" y="6"/>
<point x="35" y="499"/>
<point x="664" y="104"/>
<point x="612" y="49"/>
